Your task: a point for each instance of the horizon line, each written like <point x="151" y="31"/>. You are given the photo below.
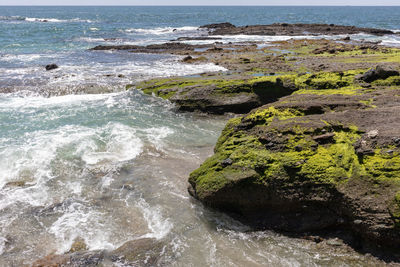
<point x="203" y="5"/>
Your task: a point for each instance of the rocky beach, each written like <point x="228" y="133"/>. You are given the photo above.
<point x="285" y="150"/>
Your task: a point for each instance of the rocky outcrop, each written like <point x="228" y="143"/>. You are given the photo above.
<point x="290" y="29"/>
<point x="218" y="95"/>
<point x="154" y="48"/>
<point x="312" y="162"/>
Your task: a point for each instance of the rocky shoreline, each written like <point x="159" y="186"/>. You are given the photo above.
<point x="318" y="151"/>
<point x="314" y="148"/>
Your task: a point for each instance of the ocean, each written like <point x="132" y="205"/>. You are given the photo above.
<point x="81" y="157"/>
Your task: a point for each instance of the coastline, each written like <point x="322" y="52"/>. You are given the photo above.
<point x="305" y="169"/>
<point x="263" y="176"/>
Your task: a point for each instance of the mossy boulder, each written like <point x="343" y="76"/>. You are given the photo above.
<point x="237" y="94"/>
<point x="311" y="163"/>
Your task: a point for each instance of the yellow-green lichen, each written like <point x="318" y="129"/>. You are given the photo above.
<point x="391" y="81"/>
<point x="383" y="166"/>
<point x="266" y="115"/>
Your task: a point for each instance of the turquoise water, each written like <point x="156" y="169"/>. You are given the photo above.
<point x="80" y="157"/>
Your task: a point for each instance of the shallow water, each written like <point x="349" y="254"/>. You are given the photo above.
<point x="112" y="166"/>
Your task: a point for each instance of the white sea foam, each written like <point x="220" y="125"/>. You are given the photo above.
<point x="56" y="20"/>
<point x="266" y="39"/>
<point x="158" y="226"/>
<point x="79" y="220"/>
<point x="90" y="39"/>
<point x="2" y="244"/>
<point x="40" y="101"/>
<point x="21" y="57"/>
<point x="164" y="30"/>
<point x="39" y="156"/>
<point x="98" y="77"/>
<point x="157" y="135"/>
<point x="121" y="145"/>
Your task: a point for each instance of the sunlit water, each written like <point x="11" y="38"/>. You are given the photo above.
<point x="112" y="166"/>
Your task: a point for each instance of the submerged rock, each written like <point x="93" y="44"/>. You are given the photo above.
<point x="78" y="245"/>
<point x="52" y="261"/>
<point x="140" y="252"/>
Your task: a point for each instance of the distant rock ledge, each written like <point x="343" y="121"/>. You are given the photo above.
<point x="290" y="29"/>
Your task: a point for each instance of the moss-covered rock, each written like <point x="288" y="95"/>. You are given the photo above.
<point x="303" y="164"/>
<point x="238" y="94"/>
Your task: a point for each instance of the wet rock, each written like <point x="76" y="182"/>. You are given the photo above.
<point x="143" y="252"/>
<point x="200" y="38"/>
<point x="87" y="258"/>
<point x="79" y="258"/>
<point x="51" y="67"/>
<point x="186" y="59"/>
<point x="52" y="261"/>
<point x="334" y="242"/>
<point x="15" y="184"/>
<point x="379" y="72"/>
<point x="154" y="48"/>
<point x="78" y="245"/>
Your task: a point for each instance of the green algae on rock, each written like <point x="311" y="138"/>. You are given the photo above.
<point x="238" y="94"/>
<point x="299" y="166"/>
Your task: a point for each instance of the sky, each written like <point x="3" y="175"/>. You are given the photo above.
<point x="202" y="2"/>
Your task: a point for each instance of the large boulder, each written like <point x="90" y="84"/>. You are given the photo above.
<point x="311" y="163"/>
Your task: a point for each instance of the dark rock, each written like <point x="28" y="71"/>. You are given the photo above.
<point x="226" y="162"/>
<point x="379" y="72"/>
<point x="186" y="59"/>
<point x="324" y="138"/>
<point x="223" y="25"/>
<point x="201" y="38"/>
<point x="290" y="29"/>
<point x="51" y="67"/>
<point x="154" y="48"/>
